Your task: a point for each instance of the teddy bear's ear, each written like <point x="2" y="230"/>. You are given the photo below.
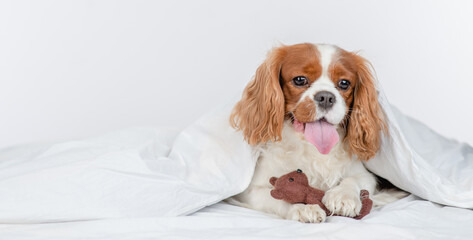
<point x="273" y="180"/>
<point x="277" y="194"/>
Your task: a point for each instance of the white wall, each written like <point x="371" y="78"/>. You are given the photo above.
<point x="76" y="68"/>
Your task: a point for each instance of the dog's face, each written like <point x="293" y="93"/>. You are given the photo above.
<point x="320" y="88"/>
<point x="317" y="82"/>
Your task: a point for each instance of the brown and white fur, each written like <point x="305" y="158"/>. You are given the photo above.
<point x="272" y="101"/>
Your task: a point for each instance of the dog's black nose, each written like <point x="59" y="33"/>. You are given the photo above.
<point x="325" y="99"/>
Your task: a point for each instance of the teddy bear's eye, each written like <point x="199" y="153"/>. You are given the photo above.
<point x="291" y="179"/>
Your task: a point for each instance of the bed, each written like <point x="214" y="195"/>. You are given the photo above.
<point x="156" y="183"/>
<point x="409" y="218"/>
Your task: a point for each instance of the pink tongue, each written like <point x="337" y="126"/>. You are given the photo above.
<point x="322" y="134"/>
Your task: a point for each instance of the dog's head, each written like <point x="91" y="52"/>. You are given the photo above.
<point x="320" y="88"/>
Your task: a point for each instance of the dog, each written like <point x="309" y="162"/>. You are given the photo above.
<point x="312" y="107"/>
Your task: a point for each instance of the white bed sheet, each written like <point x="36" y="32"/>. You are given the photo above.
<point x="408" y="218"/>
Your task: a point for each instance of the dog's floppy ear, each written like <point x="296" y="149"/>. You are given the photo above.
<point x="366" y="121"/>
<point x="260" y="112"/>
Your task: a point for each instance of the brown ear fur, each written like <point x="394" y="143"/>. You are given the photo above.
<point x="273" y="180"/>
<point x="366" y="121"/>
<point x="277" y="194"/>
<point x="260" y="112"/>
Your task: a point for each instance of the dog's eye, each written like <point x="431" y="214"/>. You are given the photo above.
<point x="344" y="84"/>
<point x="300" y="81"/>
<point x="291" y="179"/>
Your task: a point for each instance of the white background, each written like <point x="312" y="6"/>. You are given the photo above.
<point x="71" y="69"/>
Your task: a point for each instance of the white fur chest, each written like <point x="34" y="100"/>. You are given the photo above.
<point x="294" y="152"/>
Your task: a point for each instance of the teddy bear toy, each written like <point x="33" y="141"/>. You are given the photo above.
<point x="294" y="188"/>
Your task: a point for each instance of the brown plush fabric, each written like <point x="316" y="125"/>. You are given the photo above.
<point x="294" y="188"/>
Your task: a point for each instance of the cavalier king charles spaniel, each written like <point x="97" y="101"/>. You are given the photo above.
<point x="312" y="107"/>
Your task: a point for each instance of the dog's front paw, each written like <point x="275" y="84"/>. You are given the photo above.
<point x="342" y="201"/>
<point x="310" y="213"/>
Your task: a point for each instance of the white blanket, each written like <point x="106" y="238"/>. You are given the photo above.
<point x="424" y="163"/>
<point x="142" y="172"/>
<point x="137" y="172"/>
